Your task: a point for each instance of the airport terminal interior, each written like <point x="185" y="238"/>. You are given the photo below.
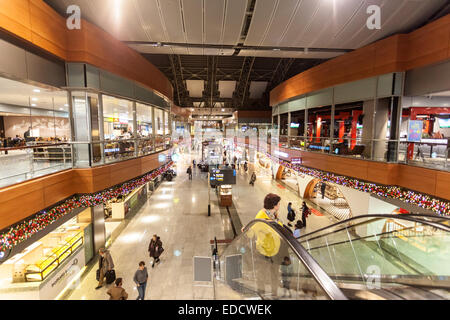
<point x="224" y="150"/>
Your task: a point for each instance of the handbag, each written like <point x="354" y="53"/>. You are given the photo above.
<point x="110" y="276"/>
<point x="98" y="275"/>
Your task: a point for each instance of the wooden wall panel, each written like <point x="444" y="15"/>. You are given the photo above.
<point x="15" y="18"/>
<point x="416" y="178"/>
<point x="443" y="184"/>
<point x="19" y="201"/>
<point x="427" y="45"/>
<point x="36" y="22"/>
<point x="428" y="181"/>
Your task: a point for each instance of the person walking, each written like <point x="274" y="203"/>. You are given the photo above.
<point x="117" y="292"/>
<point x="253" y="178"/>
<point x="189" y="172"/>
<point x="105" y="264"/>
<point x="291" y="214"/>
<point x="305" y="213"/>
<point x="155" y="249"/>
<point x="322" y="189"/>
<point x="245" y="166"/>
<point x="140" y="278"/>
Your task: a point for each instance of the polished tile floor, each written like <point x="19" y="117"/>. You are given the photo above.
<point x="178" y="212"/>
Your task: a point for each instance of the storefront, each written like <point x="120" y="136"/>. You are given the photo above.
<point x="45" y="268"/>
<point x="263" y="164"/>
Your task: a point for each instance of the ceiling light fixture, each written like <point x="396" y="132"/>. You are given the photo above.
<point x="33" y="104"/>
<point x="34" y="99"/>
<point x="36" y="90"/>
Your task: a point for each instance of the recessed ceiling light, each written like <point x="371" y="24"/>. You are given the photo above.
<point x="33" y="104"/>
<point x="36" y="90"/>
<point x="34" y="99"/>
<point x="66" y="105"/>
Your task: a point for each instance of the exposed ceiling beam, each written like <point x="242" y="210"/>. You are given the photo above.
<point x="182" y="93"/>
<point x="242" y="87"/>
<point x="235" y="47"/>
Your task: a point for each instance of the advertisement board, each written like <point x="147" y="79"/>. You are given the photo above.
<point x="415" y="128"/>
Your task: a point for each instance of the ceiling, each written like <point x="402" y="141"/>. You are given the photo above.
<point x="204" y="45"/>
<point x="196" y="26"/>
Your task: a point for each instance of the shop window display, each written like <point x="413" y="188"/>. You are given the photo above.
<point x="34" y="125"/>
<point x="431" y="146"/>
<point x="118" y="128"/>
<point x="297" y="130"/>
<point x="348" y="130"/>
<point x="144" y="128"/>
<point x="38" y="261"/>
<point x="318" y="129"/>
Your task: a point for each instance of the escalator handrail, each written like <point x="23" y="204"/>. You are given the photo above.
<point x="408" y="217"/>
<point x="322" y="278"/>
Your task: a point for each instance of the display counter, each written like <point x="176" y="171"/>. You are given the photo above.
<point x="132" y="202"/>
<point x="225" y="195"/>
<point x="38" y="271"/>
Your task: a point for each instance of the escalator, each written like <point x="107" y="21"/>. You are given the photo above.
<point x="366" y="257"/>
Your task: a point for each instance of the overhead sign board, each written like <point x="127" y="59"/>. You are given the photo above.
<point x="222" y="175"/>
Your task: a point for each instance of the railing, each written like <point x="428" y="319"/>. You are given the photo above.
<point x="19" y="164"/>
<point x="23" y="163"/>
<point x="431" y="153"/>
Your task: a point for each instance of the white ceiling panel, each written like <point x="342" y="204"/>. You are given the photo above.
<point x="277" y="23"/>
<point x="288" y="54"/>
<point x="171" y="12"/>
<point x="226" y="88"/>
<point x="193" y="20"/>
<point x="410" y="11"/>
<point x="260" y="21"/>
<point x="316" y="23"/>
<point x="151" y="49"/>
<point x="299" y="23"/>
<point x="283" y="15"/>
<point x="179" y="50"/>
<point x="342" y="14"/>
<point x="195" y="88"/>
<point x="214" y="14"/>
<point x="196" y="51"/>
<point x="234" y="20"/>
<point x="257" y="88"/>
<point x="152" y="20"/>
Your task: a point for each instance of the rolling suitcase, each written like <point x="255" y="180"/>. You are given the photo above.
<point x="110" y="276"/>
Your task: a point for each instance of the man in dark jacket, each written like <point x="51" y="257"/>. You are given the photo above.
<point x="140" y="278"/>
<point x="322" y="189"/>
<point x="105" y="264"/>
<point x="189" y="172"/>
<point x="155" y="249"/>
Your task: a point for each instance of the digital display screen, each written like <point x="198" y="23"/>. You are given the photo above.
<point x="295" y="125"/>
<point x="222" y="176"/>
<point x="444" y="123"/>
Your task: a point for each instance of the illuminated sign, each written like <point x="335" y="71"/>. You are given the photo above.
<point x="162" y="158"/>
<point x="296" y="160"/>
<point x="281" y="154"/>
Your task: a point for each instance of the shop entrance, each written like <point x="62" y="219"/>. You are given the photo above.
<point x="329" y="197"/>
